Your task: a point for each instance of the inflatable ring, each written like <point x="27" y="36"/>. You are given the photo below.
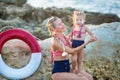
<point x="36" y="56"/>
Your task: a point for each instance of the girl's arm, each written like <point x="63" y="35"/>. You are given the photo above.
<point x="90" y="33"/>
<point x="77" y="49"/>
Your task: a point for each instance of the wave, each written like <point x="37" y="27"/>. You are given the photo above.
<point x="102" y="6"/>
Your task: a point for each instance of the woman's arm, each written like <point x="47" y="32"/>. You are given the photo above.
<point x="56" y="46"/>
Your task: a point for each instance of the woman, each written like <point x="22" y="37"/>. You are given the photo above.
<point x="60" y="44"/>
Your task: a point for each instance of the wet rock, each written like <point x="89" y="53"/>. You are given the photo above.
<point x="99" y="18"/>
<point x="16" y="23"/>
<point x="15" y="2"/>
<point x="13" y="11"/>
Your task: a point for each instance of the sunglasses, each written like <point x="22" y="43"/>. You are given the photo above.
<point x="53" y="19"/>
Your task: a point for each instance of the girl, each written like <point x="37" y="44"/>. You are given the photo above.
<point x="77" y="37"/>
<point x="60" y="44"/>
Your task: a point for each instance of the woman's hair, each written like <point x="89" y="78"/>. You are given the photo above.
<point x="79" y="14"/>
<point x="51" y="25"/>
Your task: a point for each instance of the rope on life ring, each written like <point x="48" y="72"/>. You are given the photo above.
<point x="6" y="28"/>
<point x="36" y="56"/>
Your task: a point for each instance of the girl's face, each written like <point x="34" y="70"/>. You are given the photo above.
<point x="59" y="25"/>
<point x="79" y="21"/>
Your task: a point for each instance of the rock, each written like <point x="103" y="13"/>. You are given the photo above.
<point x="34" y="19"/>
<point x="14" y="52"/>
<point x="13" y="11"/>
<point x="102" y="57"/>
<point x="38" y="15"/>
<point x="16" y="11"/>
<point x="15" y="2"/>
<point x="99" y="18"/>
<point x="14" y="22"/>
<point x="17" y="23"/>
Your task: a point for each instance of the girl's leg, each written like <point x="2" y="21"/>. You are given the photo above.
<point x="80" y="64"/>
<point x="80" y="60"/>
<point x="73" y="62"/>
<point x="67" y="76"/>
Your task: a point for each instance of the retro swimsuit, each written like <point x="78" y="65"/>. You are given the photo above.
<point x="76" y="43"/>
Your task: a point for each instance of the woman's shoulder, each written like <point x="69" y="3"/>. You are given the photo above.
<point x="53" y="44"/>
<point x="54" y="41"/>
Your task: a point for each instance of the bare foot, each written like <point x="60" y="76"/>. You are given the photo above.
<point x="80" y="74"/>
<point x="74" y="71"/>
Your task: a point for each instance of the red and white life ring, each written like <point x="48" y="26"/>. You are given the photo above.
<point x="36" y="56"/>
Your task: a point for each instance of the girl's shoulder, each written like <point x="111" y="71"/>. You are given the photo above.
<point x="85" y="27"/>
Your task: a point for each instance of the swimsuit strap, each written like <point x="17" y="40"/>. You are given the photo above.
<point x="79" y="35"/>
<point x="71" y="34"/>
<point x="68" y="44"/>
<point x="52" y="58"/>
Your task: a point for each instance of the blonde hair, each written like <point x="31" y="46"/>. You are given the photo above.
<point x="50" y="24"/>
<point x="80" y="14"/>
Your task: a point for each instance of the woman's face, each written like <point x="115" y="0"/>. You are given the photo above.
<point x="59" y="25"/>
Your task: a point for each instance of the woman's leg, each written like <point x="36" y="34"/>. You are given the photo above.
<point x="73" y="62"/>
<point x="67" y="76"/>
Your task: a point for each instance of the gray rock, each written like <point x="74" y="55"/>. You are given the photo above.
<point x="103" y="55"/>
<point x="15" y="2"/>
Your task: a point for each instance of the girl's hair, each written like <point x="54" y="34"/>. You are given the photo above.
<point x="80" y="14"/>
<point x="51" y="25"/>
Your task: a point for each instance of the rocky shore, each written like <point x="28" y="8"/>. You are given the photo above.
<point x="102" y="58"/>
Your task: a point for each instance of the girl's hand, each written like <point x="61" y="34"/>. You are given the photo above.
<point x="94" y="38"/>
<point x="91" y="40"/>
